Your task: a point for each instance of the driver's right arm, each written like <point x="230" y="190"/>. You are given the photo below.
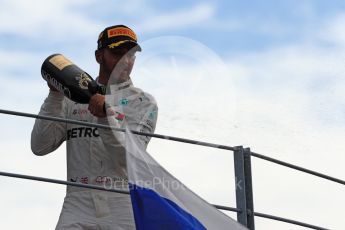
<point x="46" y="136"/>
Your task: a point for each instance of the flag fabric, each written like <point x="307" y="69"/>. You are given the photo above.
<point x="160" y="201"/>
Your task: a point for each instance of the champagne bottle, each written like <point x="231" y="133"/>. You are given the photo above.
<point x="69" y="79"/>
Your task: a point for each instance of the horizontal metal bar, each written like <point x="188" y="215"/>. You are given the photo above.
<point x="324" y="176"/>
<point x="88" y="186"/>
<point x="277" y="218"/>
<point x="171" y="138"/>
<point x="294" y="222"/>
<point x="226" y="208"/>
<point x="54" y="181"/>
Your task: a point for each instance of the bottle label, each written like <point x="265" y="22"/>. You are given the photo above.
<point x="60" y="62"/>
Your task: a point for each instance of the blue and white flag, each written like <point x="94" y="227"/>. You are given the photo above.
<point x="160" y="201"/>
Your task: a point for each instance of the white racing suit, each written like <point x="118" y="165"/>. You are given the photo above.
<point x="94" y="155"/>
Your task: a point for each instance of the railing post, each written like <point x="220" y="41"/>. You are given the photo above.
<point x="244" y="190"/>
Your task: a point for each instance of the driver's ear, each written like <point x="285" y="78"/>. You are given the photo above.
<point x="99" y="56"/>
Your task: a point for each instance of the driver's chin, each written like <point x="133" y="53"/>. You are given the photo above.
<point x="119" y="77"/>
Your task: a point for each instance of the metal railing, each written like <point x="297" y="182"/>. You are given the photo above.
<point x="242" y="163"/>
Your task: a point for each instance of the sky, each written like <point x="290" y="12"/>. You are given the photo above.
<point x="268" y="75"/>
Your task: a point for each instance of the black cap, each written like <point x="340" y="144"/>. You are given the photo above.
<point x="118" y="36"/>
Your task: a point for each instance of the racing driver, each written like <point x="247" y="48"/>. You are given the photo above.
<point x="95" y="156"/>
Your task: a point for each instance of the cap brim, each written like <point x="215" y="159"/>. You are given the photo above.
<point x="126" y="43"/>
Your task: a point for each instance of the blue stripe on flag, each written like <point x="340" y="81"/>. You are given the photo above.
<point x="153" y="212"/>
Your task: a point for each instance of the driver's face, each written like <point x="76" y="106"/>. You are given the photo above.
<point x="121" y="60"/>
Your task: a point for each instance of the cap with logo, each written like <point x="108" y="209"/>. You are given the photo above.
<point x="118" y="36"/>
